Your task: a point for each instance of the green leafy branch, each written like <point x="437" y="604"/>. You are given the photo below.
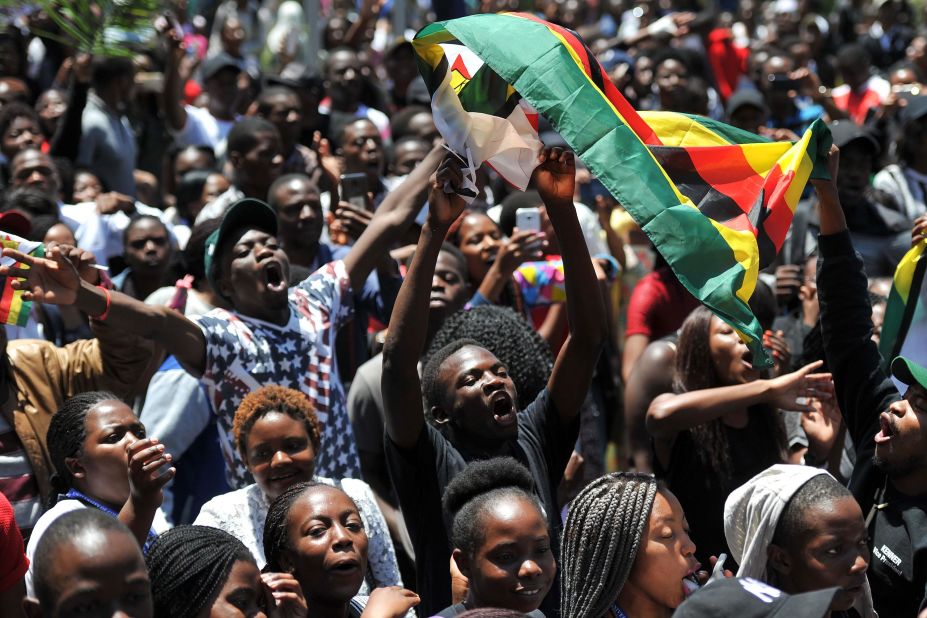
<point x="99" y="27"/>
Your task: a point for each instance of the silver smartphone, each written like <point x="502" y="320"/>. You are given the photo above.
<point x="354" y="189"/>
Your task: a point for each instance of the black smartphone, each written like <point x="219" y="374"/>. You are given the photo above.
<point x="354" y="189"/>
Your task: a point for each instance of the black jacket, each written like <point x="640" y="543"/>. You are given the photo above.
<point x="897" y="524"/>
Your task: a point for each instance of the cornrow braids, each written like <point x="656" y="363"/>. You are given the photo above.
<point x="276" y="530"/>
<point x="67" y="432"/>
<point x="491" y="612"/>
<point x="266" y="399"/>
<point x="601" y="537"/>
<point x="478" y="486"/>
<point x="189" y="565"/>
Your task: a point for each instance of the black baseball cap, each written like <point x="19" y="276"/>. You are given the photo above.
<point x="744" y="597"/>
<point x="246" y="213"/>
<point x="845" y="132"/>
<point x="908" y="372"/>
<point x="746" y="96"/>
<point x="216" y="63"/>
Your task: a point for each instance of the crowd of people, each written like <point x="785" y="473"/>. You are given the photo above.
<point x="276" y="365"/>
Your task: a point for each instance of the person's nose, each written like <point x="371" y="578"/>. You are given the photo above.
<point x="306" y="213"/>
<point x="862" y="561"/>
<point x="437" y="283"/>
<point x="529" y="568"/>
<point x="688" y="546"/>
<point x="280" y="458"/>
<point x="492" y="382"/>
<point x="342" y="536"/>
<point x="898" y="408"/>
<point x="294" y="116"/>
<point x="35" y="178"/>
<point x="350" y="75"/>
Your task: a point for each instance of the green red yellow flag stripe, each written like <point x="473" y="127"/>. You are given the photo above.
<point x="715" y="201"/>
<point x="903" y="304"/>
<point x="14" y="309"/>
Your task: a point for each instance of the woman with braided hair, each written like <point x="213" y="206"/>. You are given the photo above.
<point x="626" y="550"/>
<point x="103" y="460"/>
<point x="315" y="533"/>
<point x="203" y="571"/>
<point x="500" y="538"/>
<point x="722" y="425"/>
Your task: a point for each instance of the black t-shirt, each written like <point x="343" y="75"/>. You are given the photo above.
<point x="702" y="492"/>
<point x="422" y="473"/>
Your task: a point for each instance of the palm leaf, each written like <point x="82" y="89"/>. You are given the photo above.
<point x="99" y="27"/>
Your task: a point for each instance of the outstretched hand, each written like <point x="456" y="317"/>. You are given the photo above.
<point x="555" y="176"/>
<point x="52" y="279"/>
<point x="794" y="391"/>
<point x="444" y="206"/>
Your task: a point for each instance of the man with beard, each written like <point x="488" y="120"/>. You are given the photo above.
<point x="889" y="431"/>
<point x="270" y="334"/>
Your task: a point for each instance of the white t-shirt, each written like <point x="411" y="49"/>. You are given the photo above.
<point x="159" y="525"/>
<point x="204" y="129"/>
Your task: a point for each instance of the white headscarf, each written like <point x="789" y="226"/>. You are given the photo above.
<point x="752" y="512"/>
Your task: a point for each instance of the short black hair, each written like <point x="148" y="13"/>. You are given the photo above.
<point x="263" y="100"/>
<point x="793" y="523"/>
<point x="244" y="134"/>
<point x="136" y="219"/>
<point x="399" y="125"/>
<point x="853" y="54"/>
<point x="59" y="534"/>
<point x="480" y="485"/>
<point x="105" y="69"/>
<point x="458" y="256"/>
<point x="34" y="202"/>
<point x="506" y="334"/>
<point x="432" y="389"/>
<point x="17" y="109"/>
<point x="284" y="179"/>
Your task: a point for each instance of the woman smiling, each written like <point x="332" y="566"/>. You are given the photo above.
<point x="277" y="434"/>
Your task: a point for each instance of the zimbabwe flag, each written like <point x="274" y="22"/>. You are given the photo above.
<point x="715" y="201"/>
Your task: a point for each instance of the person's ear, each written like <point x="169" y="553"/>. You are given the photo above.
<point x="778" y="559"/>
<point x="31" y="607"/>
<point x="440" y="415"/>
<point x="234" y="158"/>
<point x="462" y="561"/>
<point x="75" y="467"/>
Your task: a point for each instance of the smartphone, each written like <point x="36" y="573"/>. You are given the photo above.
<point x="354" y="189"/>
<point x="783" y="82"/>
<point x="528" y="219"/>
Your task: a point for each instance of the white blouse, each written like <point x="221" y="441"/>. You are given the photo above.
<point x="242" y="512"/>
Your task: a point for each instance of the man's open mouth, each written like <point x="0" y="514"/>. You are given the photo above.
<point x="886" y="428"/>
<point x="273" y="277"/>
<point x="503" y="408"/>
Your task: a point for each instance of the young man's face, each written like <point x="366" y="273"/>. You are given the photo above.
<point x="299" y="211"/>
<point x="480" y="396"/>
<point x="255" y="273"/>
<point x="260" y="166"/>
<point x="901" y="444"/>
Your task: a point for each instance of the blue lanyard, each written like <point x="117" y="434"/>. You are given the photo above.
<point x="76" y="495"/>
<point x="617" y="611"/>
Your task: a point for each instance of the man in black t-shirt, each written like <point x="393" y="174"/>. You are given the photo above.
<point x="467" y="391"/>
<point x="889" y="431"/>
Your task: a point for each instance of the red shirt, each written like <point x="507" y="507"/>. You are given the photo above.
<point x="13" y="561"/>
<point x="659" y="305"/>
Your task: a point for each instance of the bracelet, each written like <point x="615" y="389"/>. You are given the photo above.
<point x="102" y="317"/>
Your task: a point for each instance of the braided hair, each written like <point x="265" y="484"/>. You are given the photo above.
<point x="601" y="537"/>
<point x="511" y="339"/>
<point x="479" y="486"/>
<point x="491" y="612"/>
<point x="276" y="530"/>
<point x="67" y="432"/>
<point x="189" y="565"/>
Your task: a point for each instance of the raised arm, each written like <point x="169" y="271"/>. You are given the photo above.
<point x="555" y="179"/>
<point x="171" y="99"/>
<point x="670" y="414"/>
<point x="405" y="340"/>
<point x="863" y="389"/>
<point x="54" y="280"/>
<point x="392" y="218"/>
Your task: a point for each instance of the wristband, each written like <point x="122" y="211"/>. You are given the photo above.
<point x="102" y="317"/>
